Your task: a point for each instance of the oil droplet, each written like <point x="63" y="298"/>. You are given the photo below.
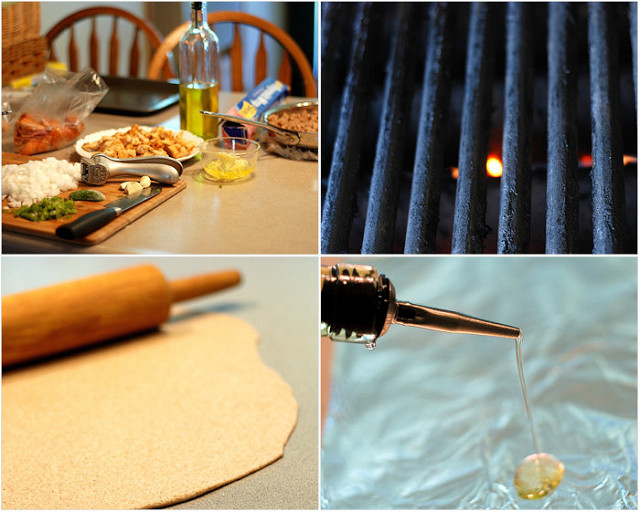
<point x="537" y="475"/>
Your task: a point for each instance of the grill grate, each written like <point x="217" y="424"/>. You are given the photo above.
<point x="431" y="87"/>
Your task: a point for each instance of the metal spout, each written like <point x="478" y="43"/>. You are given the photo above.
<point x="449" y="321"/>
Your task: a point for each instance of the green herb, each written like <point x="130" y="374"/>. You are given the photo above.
<point x="48" y="208"/>
<point x="87" y="195"/>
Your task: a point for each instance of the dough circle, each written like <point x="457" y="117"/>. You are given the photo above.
<point x="144" y="423"/>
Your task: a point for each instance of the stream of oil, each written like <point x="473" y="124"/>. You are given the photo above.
<point x="540" y="473"/>
<point x="525" y="395"/>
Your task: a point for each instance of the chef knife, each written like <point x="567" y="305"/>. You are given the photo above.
<point x="93" y="221"/>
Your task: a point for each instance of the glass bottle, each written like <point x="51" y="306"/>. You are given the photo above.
<point x="358" y="305"/>
<point x="199" y="83"/>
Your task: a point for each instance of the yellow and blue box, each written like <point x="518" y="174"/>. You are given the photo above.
<point x="266" y="94"/>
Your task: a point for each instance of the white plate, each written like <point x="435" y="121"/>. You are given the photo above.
<point x="188" y="136"/>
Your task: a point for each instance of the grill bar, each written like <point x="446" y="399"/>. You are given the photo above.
<point x="515" y="197"/>
<point x="469" y="228"/>
<point x="633" y="36"/>
<point x="383" y="192"/>
<point x="562" y="152"/>
<point x="422" y="223"/>
<point x="337" y="28"/>
<point x="606" y="133"/>
<point x="337" y="212"/>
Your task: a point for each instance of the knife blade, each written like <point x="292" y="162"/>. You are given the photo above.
<point x="93" y="221"/>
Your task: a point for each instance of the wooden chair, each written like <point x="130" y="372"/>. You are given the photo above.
<point x="291" y="49"/>
<point x="153" y="36"/>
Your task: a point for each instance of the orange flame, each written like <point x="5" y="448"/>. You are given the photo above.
<point x="494" y="166"/>
<point x="587" y="160"/>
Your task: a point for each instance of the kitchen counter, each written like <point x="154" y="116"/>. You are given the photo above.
<point x="274" y="212"/>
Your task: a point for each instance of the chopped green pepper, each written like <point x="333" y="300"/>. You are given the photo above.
<point x="48" y="208"/>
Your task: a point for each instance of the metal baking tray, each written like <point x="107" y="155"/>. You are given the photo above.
<point x="137" y="96"/>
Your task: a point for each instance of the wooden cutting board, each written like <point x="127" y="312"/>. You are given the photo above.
<point x="111" y="190"/>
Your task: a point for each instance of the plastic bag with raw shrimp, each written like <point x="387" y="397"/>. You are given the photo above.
<point x="53" y="116"/>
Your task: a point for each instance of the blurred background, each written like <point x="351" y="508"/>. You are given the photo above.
<point x="434" y="420"/>
<point x="298" y="19"/>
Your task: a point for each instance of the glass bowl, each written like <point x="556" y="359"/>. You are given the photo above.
<point x="229" y="158"/>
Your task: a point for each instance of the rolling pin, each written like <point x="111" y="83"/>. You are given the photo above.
<point x="80" y="313"/>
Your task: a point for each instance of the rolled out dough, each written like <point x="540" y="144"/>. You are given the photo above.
<point x="147" y="422"/>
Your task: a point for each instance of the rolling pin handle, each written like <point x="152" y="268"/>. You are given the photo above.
<point x="197" y="286"/>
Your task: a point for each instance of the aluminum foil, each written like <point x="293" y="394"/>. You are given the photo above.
<point x="435" y="420"/>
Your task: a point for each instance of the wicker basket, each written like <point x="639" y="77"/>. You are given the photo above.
<point x="23" y="59"/>
<point x="20" y="22"/>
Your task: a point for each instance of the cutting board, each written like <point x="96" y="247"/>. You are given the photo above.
<point x="111" y="190"/>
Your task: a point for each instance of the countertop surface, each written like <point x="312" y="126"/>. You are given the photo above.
<point x="278" y="296"/>
<point x="274" y="212"/>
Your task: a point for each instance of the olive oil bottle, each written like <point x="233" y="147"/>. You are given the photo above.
<point x="199" y="76"/>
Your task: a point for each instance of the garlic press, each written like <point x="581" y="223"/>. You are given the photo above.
<point x="97" y="169"/>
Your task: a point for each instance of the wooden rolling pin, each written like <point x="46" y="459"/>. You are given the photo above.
<point x="80" y="313"/>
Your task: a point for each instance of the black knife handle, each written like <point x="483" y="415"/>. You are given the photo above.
<point x="87" y="224"/>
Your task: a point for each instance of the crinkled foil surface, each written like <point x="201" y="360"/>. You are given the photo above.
<point x="434" y="420"/>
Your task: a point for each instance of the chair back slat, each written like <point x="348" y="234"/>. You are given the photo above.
<point x="285" y="72"/>
<point x="261" y="61"/>
<point x="114" y="49"/>
<point x="134" y="55"/>
<point x="94" y="46"/>
<point x="73" y="51"/>
<point x="235" y="55"/>
<point x="152" y="35"/>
